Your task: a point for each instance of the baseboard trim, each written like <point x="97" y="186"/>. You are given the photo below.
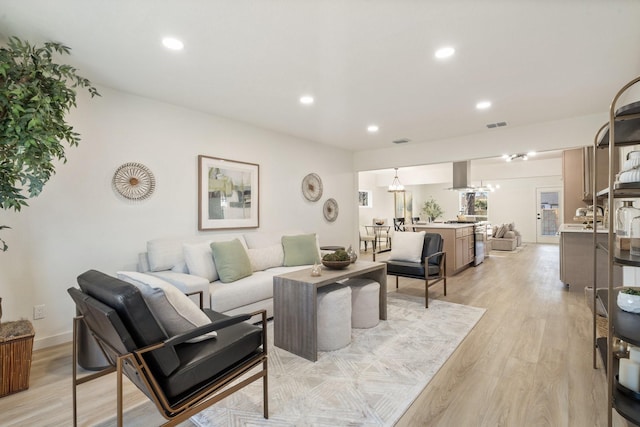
<point x="40" y="343"/>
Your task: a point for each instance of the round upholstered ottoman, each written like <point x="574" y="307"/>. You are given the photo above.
<point x="365" y="302"/>
<point x="334" y="317"/>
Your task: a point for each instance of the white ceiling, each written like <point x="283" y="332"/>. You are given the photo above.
<point x="364" y="61"/>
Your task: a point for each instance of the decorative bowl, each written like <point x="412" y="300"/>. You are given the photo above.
<point x="630" y="303"/>
<point x="336" y="265"/>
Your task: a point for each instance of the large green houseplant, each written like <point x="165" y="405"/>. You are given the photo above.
<point x="36" y="93"/>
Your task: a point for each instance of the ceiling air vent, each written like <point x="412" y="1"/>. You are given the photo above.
<point x="496" y="125"/>
<point x="401" y="141"/>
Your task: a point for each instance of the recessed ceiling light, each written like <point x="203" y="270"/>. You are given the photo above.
<point x="445" y="52"/>
<point x="306" y="100"/>
<point x="483" y="105"/>
<point x="172" y="43"/>
<point x="372" y="128"/>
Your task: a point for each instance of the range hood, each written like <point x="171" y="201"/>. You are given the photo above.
<point x="461" y="174"/>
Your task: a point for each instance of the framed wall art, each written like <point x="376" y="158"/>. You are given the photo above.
<point x="228" y="194"/>
<point x="365" y="199"/>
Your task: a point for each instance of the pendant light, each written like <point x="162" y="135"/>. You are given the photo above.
<point x="395" y="186"/>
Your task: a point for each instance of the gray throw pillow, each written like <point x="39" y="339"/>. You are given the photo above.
<point x="173" y="309"/>
<point x="501" y="230"/>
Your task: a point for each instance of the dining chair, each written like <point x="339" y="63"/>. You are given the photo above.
<point x="367" y="237"/>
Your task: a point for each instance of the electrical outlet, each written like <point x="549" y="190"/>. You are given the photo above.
<point x="38" y="312"/>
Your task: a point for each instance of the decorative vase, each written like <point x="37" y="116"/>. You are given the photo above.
<point x="316" y="270"/>
<point x="624" y="215"/>
<point x="629" y="303"/>
<point x="353" y="256"/>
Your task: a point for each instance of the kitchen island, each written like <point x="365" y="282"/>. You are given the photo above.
<point x="459" y="243"/>
<point x="576" y="258"/>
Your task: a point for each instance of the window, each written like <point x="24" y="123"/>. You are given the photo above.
<point x="475" y="204"/>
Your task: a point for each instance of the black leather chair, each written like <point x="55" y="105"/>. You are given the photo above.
<point x="432" y="268"/>
<point x="180" y="378"/>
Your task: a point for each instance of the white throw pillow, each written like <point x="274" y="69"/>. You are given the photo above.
<point x="268" y="257"/>
<point x="181" y="267"/>
<point x="199" y="260"/>
<point x="173" y="309"/>
<point x="262" y="239"/>
<point x="407" y="246"/>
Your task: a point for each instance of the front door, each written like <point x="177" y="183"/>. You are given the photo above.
<point x="548" y="214"/>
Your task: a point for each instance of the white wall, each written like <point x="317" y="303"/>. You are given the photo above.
<point x="78" y="223"/>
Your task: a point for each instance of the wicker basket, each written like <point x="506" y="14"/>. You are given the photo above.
<point x="16" y="348"/>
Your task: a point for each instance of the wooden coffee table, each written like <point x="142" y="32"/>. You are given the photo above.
<point x="295" y="315"/>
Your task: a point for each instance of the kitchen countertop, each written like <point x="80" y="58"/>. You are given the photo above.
<point x="441" y="225"/>
<point x="579" y="228"/>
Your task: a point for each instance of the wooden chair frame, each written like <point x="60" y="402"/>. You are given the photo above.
<point x="429" y="280"/>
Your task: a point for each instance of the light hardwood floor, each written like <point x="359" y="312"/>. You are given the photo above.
<point x="526" y="363"/>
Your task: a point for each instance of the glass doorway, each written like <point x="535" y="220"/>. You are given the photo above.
<point x="548" y="214"/>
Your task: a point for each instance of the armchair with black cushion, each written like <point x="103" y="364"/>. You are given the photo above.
<point x="418" y="255"/>
<point x="182" y="374"/>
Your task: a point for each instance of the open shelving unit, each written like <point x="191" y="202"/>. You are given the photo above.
<point x="622" y="129"/>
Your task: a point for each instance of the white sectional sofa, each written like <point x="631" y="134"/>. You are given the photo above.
<point x="189" y="264"/>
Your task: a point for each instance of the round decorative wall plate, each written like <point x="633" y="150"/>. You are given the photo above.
<point x="312" y="187"/>
<point x="330" y="210"/>
<point x="134" y="181"/>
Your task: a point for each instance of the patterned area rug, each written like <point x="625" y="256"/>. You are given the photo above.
<point x="368" y="383"/>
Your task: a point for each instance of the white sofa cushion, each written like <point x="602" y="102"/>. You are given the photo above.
<point x="407" y="246"/>
<point x="227" y="296"/>
<point x="163" y="254"/>
<point x="262" y="239"/>
<point x="199" y="260"/>
<point x="166" y="253"/>
<point x="266" y="257"/>
<point x="173" y="309"/>
<point x="284" y="270"/>
<point x="187" y="284"/>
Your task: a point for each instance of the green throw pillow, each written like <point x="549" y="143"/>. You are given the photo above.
<point x="300" y="250"/>
<point x="231" y="260"/>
